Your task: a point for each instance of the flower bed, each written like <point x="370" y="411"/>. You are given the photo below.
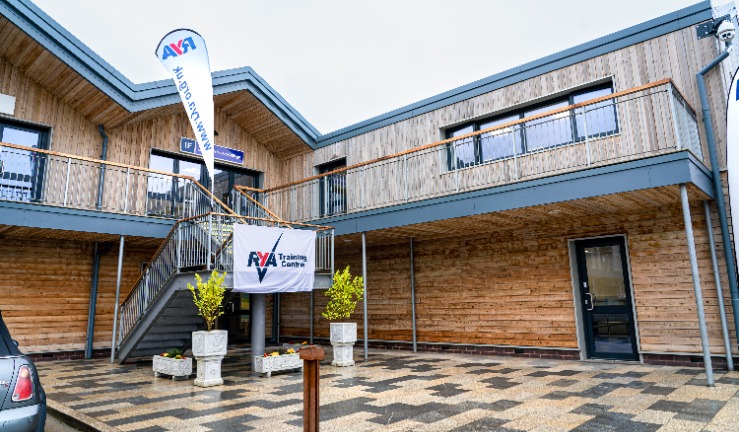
<point x="275" y="362"/>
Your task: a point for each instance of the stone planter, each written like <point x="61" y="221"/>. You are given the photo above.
<point x="176" y="368"/>
<point x="269" y="364"/>
<point x="209" y="347"/>
<point x="296" y="347"/>
<point x="343" y="337"/>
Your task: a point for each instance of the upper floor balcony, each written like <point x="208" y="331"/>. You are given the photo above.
<point x="638" y="123"/>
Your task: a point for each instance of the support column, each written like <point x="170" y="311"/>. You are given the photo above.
<point x="93" y="301"/>
<point x="696" y="284"/>
<point x="258" y="307"/>
<point x="117" y="298"/>
<point x="719" y="290"/>
<point x="364" y="280"/>
<point x="413" y="299"/>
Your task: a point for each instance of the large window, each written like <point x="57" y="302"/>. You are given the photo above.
<point x="22" y="171"/>
<point x="333" y="188"/>
<point x="538" y="134"/>
<point x="165" y="195"/>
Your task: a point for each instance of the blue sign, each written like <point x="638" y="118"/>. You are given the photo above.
<point x="225" y="154"/>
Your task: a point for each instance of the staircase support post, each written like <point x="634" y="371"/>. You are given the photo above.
<point x="258" y="306"/>
<point x="117" y="298"/>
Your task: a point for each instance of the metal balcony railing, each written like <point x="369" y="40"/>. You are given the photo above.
<point x="39" y="176"/>
<point x="637" y="123"/>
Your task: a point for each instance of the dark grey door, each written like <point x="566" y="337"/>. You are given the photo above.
<point x="606" y="299"/>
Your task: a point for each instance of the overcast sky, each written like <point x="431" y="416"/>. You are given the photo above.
<point x="345" y="61"/>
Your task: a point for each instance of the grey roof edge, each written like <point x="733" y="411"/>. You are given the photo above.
<point x="656" y="27"/>
<point x="140" y="97"/>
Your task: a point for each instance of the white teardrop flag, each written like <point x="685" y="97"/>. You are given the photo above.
<point x="183" y="53"/>
<point x="732" y="148"/>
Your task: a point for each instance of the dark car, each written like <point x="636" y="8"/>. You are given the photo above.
<point x="22" y="399"/>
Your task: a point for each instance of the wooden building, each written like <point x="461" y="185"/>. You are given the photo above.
<point x="540" y="211"/>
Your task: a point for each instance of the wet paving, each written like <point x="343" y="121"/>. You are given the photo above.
<point x="402" y="391"/>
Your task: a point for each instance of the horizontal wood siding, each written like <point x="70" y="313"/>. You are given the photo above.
<point x="46" y="292"/>
<point x="514" y="287"/>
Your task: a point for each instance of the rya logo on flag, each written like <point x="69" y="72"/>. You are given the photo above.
<point x="179" y="48"/>
<point x="262" y="260"/>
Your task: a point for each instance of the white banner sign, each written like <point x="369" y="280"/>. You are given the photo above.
<point x="732" y="148"/>
<point x="183" y="53"/>
<point x="270" y="260"/>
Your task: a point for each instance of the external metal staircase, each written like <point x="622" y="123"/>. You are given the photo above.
<point x="159" y="312"/>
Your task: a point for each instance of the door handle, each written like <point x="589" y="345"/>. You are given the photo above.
<point x="592" y="303"/>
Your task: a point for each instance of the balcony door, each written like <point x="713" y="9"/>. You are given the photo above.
<point x="22" y="171"/>
<point x="607" y="312"/>
<point x="332" y="188"/>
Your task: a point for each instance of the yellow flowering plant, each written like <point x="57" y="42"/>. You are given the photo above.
<point x="343" y="295"/>
<point x="209" y="297"/>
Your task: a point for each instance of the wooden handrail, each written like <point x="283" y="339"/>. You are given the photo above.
<point x="481" y="132"/>
<point x="237" y="188"/>
<point x="120" y="165"/>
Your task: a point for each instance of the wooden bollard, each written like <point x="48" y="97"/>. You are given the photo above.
<point x="311" y="356"/>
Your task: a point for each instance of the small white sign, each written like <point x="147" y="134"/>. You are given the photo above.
<point x="7" y="104"/>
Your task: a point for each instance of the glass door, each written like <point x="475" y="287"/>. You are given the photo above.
<point x="606" y="299"/>
<point x="236" y="318"/>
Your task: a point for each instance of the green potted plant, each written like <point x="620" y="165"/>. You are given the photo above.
<point x="209" y="346"/>
<point x="345" y="292"/>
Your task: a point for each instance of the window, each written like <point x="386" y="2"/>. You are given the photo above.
<point x="332" y="188"/>
<point x="22" y="171"/>
<point x="551" y="131"/>
<point x="165" y="194"/>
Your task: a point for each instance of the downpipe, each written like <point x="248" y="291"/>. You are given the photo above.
<point x="103" y="156"/>
<point x="717" y="186"/>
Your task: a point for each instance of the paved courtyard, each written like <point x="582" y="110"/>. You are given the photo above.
<point x="402" y="391"/>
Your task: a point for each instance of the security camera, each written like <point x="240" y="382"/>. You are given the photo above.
<point x="725" y="31"/>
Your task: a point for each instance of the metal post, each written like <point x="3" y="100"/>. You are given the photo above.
<point x="117" y="297"/>
<point x="719" y="290"/>
<point x="405" y="175"/>
<point x="587" y="138"/>
<point x="311" y="318"/>
<point x="515" y="152"/>
<point x="673" y="113"/>
<point x="717" y="185"/>
<point x="210" y="239"/>
<point x="696" y="285"/>
<point x="179" y="247"/>
<point x="364" y="280"/>
<point x="93" y="301"/>
<point x="125" y="196"/>
<point x="258" y="307"/>
<point x="413" y="300"/>
<point x="66" y="181"/>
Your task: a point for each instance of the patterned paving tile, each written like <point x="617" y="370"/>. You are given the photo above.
<point x="398" y="391"/>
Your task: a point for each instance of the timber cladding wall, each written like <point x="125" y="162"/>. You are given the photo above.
<point x="677" y="55"/>
<point x="71" y="132"/>
<point x="45" y="292"/>
<point x="515" y="287"/>
<point x="131" y="144"/>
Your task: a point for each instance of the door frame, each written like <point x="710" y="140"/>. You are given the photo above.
<point x="578" y="301"/>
